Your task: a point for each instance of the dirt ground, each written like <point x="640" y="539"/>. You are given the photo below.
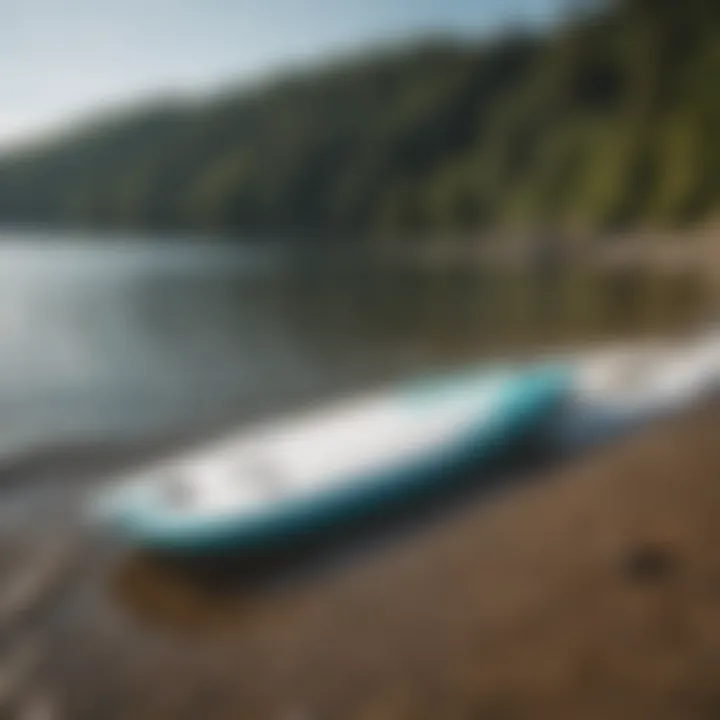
<point x="590" y="591"/>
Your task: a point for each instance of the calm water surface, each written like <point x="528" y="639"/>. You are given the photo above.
<point x="127" y="339"/>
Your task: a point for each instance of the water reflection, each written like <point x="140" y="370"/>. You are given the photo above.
<point x="104" y="342"/>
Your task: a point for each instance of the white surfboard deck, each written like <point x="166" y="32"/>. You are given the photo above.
<point x="624" y="387"/>
<point x="354" y="441"/>
<point x="313" y="452"/>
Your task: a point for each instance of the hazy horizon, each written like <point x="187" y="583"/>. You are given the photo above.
<point x="70" y="59"/>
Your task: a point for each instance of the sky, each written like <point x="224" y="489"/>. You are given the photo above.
<point x="63" y="59"/>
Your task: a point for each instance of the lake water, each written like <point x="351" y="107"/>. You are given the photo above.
<point x="115" y="340"/>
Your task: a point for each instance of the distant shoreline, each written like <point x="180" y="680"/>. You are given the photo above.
<point x="677" y="252"/>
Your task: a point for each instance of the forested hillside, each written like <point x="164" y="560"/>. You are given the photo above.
<point x="605" y="123"/>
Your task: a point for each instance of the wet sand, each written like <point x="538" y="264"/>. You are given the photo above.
<point x="591" y="589"/>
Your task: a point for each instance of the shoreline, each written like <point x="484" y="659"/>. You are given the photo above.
<point x="684" y="251"/>
<point x="587" y="589"/>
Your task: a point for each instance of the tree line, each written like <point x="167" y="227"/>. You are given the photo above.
<point x="607" y="121"/>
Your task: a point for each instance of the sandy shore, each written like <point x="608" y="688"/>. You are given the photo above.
<point x="591" y="591"/>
